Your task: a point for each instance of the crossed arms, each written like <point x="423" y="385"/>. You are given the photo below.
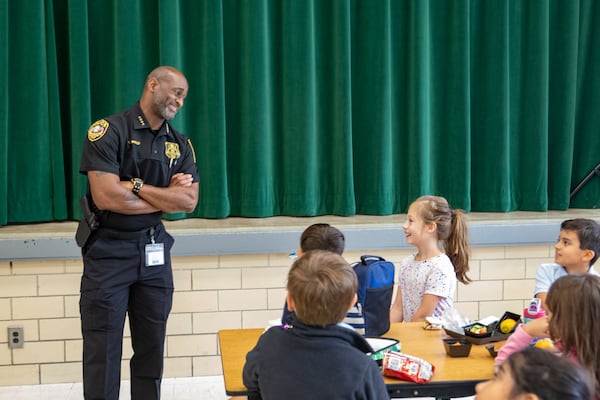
<point x="112" y="194"/>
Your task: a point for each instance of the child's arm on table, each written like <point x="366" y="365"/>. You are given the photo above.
<point x="522" y="337"/>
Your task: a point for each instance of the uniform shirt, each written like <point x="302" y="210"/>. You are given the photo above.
<point x="434" y="276"/>
<point x="125" y="145"/>
<point x="548" y="273"/>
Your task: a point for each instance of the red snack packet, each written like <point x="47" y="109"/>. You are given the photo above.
<point x="408" y="368"/>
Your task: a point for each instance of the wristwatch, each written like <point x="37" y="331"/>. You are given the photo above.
<point x="137" y="185"/>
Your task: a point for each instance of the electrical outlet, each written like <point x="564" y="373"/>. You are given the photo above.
<point x="15" y="337"/>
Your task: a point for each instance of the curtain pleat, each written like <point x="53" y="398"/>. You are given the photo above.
<point x="4" y="112"/>
<point x="313" y="107"/>
<point x="563" y="60"/>
<point x="35" y="184"/>
<point x="73" y="58"/>
<point x="450" y="126"/>
<point x="586" y="133"/>
<point x="528" y="107"/>
<point x="250" y="148"/>
<point x="490" y="114"/>
<point x="203" y="117"/>
<point x="372" y="94"/>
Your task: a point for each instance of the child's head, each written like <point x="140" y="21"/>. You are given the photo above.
<point x="537" y="374"/>
<point x="573" y="307"/>
<point x="450" y="228"/>
<point x="321" y="288"/>
<point x="584" y="235"/>
<point x="322" y="237"/>
<point x="434" y="209"/>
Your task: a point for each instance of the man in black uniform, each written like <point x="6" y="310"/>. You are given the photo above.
<point x="138" y="167"/>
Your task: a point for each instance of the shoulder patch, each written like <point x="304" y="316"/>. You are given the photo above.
<point x="97" y="130"/>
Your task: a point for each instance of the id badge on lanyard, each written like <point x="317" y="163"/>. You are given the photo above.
<point x="155" y="252"/>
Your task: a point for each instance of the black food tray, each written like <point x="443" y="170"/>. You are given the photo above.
<point x="494" y="334"/>
<point x="494" y="337"/>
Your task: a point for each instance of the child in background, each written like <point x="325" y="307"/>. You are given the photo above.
<point x="427" y="279"/>
<point x="572" y="320"/>
<point x="536" y="374"/>
<point x="319" y="236"/>
<point x="576" y="251"/>
<point x="315" y="357"/>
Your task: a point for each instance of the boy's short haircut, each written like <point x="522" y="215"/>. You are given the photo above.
<point x="322" y="285"/>
<point x="588" y="232"/>
<point x="322" y="237"/>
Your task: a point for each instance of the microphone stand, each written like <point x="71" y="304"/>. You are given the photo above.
<point x="595" y="171"/>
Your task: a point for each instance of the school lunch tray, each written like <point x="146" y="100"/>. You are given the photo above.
<point x="495" y="334"/>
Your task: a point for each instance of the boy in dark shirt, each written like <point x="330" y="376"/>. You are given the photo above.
<point x="315" y="356"/>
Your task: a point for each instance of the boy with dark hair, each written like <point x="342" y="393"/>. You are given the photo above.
<point x="318" y="236"/>
<point x="576" y="251"/>
<point x="322" y="236"/>
<point x="315" y="356"/>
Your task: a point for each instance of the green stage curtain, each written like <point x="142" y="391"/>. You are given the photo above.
<point x="313" y="107"/>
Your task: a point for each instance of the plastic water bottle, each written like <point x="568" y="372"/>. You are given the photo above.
<point x="534" y="310"/>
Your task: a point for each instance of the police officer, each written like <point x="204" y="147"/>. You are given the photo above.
<point x="138" y="167"/>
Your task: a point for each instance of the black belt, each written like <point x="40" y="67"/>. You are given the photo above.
<point x="125" y="235"/>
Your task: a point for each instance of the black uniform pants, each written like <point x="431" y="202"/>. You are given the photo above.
<point x="116" y="281"/>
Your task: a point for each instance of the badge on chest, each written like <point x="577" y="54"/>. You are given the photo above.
<point x="172" y="152"/>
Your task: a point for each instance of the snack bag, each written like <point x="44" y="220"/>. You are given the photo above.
<point x="406" y="367"/>
<point x="432" y="323"/>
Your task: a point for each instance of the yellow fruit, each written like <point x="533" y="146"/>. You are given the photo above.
<point x="507" y="325"/>
<point x="544" y="344"/>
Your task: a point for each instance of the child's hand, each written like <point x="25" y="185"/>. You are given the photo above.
<point x="537" y="327"/>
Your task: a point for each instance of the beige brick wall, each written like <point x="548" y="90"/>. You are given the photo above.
<point x="212" y="293"/>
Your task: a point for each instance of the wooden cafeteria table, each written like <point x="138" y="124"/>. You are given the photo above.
<point x="453" y="377"/>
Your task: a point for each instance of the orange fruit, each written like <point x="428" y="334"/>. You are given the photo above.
<point x="507" y="325"/>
